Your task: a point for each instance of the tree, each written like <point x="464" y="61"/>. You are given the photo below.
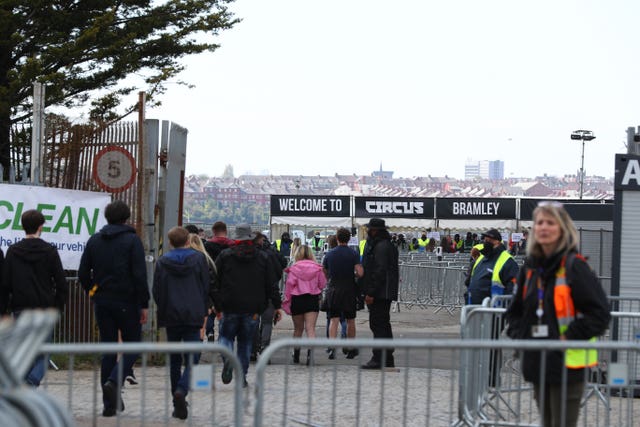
<point x="85" y="49"/>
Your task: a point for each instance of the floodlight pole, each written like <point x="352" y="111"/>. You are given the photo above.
<point x="582" y="169"/>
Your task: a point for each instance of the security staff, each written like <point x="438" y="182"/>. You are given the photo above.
<point x="494" y="271"/>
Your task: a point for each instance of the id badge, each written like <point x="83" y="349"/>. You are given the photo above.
<point x="540" y="331"/>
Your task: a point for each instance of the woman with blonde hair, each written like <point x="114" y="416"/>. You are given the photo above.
<point x="208" y="328"/>
<point x="558" y="297"/>
<point x="294" y="248"/>
<point x="305" y="282"/>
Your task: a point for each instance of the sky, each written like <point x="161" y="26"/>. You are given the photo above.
<point x="417" y="86"/>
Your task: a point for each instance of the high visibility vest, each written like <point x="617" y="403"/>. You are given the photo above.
<point x="497" y="288"/>
<point x="566" y="313"/>
<point x="361" y="246"/>
<point x="423" y="244"/>
<point x="278" y="242"/>
<point x="459" y="245"/>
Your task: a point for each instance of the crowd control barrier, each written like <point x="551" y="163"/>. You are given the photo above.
<point x="21" y="405"/>
<point x="491" y="386"/>
<point x="341" y="394"/>
<point x="440" y="288"/>
<point x="76" y="384"/>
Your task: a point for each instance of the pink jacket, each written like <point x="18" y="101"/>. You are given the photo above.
<point x="303" y="277"/>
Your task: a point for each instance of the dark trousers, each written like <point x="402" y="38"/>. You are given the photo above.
<point x="380" y="325"/>
<point x="554" y="401"/>
<point x="262" y="336"/>
<point x="179" y="378"/>
<point x="114" y="316"/>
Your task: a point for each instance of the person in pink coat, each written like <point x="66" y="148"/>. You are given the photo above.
<point x="305" y="282"/>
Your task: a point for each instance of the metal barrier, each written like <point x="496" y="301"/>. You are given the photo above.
<point x="77" y="384"/>
<point x="489" y="381"/>
<point x="438" y="287"/>
<point x="19" y="341"/>
<point x="77" y="322"/>
<point x="341" y="394"/>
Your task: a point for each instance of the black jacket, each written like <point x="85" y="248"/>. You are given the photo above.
<point x="181" y="287"/>
<point x="588" y="297"/>
<point x="114" y="260"/>
<point x="32" y="277"/>
<point x="381" y="271"/>
<point x="246" y="279"/>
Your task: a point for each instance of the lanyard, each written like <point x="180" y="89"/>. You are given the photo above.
<point x="540" y="309"/>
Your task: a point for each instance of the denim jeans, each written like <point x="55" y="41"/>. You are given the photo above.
<point x="240" y="326"/>
<point x="179" y="378"/>
<point x="39" y="367"/>
<point x="114" y="316"/>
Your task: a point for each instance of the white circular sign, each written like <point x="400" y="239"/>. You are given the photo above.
<point x="114" y="169"/>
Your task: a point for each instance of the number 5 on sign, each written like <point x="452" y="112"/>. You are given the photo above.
<point x="114" y="169"/>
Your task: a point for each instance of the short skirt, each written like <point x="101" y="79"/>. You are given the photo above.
<point x="305" y="303"/>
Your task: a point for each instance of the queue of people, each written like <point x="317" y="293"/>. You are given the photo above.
<point x="556" y="296"/>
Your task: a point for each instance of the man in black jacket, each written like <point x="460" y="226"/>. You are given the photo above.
<point x="381" y="278"/>
<point x="181" y="292"/>
<point x="32" y="277"/>
<point x="113" y="271"/>
<point x="245" y="286"/>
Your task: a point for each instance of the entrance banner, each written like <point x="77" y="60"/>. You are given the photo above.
<point x="311" y="206"/>
<point x="394" y="207"/>
<point x="475" y="208"/>
<point x="71" y="217"/>
<point x="578" y="210"/>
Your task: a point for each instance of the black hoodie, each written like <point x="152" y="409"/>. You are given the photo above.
<point x="246" y="280"/>
<point x="114" y="260"/>
<point x="32" y="277"/>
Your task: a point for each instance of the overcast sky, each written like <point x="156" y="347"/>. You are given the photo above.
<point x="341" y="86"/>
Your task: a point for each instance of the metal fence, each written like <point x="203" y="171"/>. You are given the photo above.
<point x="76" y="384"/>
<point x="491" y="386"/>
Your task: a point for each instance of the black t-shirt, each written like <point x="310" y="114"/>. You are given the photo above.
<point x="340" y="262"/>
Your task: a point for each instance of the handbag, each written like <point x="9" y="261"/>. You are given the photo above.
<point x="327" y="295"/>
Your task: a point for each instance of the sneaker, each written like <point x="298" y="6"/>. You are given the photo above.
<point x="110" y="393"/>
<point x="332" y="354"/>
<point x="131" y="379"/>
<point x="180" y="405"/>
<point x="371" y="364"/>
<point x="227" y="372"/>
<point x="351" y="354"/>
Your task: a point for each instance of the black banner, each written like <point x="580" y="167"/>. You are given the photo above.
<point x="321" y="206"/>
<point x="394" y="207"/>
<point x="578" y="210"/>
<point x="627" y="176"/>
<point x="477" y="208"/>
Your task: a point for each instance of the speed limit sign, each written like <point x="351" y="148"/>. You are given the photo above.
<point x="114" y="169"/>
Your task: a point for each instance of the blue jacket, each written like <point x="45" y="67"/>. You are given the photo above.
<point x="480" y="283"/>
<point x="181" y="288"/>
<point x="114" y="261"/>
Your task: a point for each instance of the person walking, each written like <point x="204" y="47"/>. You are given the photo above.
<point x="305" y="282"/>
<point x="208" y="327"/>
<point x="181" y="287"/>
<point x="32" y="277"/>
<point x="381" y="280"/>
<point x="243" y="291"/>
<point x="558" y="297"/>
<point x="342" y="266"/>
<point x="114" y="273"/>
<point x="262" y="336"/>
